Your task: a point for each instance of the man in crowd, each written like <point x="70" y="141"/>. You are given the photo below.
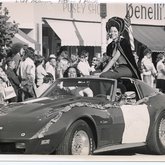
<point x="50" y="66"/>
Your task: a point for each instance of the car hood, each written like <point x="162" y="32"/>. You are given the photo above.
<point x="26" y="118"/>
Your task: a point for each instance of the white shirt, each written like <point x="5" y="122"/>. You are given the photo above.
<point x="27" y="67"/>
<point x="40" y="74"/>
<point x="30" y="67"/>
<point x="84" y="68"/>
<point x="160" y="66"/>
<point x="148" y="66"/>
<point x="50" y="69"/>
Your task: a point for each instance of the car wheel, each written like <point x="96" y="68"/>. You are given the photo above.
<point x="78" y="140"/>
<point x="156" y="142"/>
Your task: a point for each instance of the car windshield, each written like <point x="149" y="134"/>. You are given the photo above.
<point x="81" y="87"/>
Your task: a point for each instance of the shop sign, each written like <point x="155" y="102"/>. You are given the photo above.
<point x="81" y="8"/>
<point x="147" y="12"/>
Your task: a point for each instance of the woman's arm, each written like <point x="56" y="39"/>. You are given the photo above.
<point x="112" y="61"/>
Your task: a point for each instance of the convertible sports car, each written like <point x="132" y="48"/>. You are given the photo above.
<point x="65" y="120"/>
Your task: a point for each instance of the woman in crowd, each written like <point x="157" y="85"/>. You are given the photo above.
<point x="122" y="61"/>
<point x="73" y="72"/>
<point x="148" y="68"/>
<point x="160" y="83"/>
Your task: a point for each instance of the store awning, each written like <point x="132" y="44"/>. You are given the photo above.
<point x="74" y="33"/>
<point x="23" y="38"/>
<point x="153" y="37"/>
<point x="90" y="33"/>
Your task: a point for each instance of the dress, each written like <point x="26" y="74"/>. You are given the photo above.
<point x="129" y="67"/>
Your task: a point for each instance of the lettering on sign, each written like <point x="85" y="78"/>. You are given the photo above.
<point x="151" y="12"/>
<point x="81" y="8"/>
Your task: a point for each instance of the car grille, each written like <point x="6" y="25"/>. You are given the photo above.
<point x="9" y="148"/>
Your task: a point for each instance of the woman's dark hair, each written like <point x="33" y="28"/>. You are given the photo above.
<point x="67" y="70"/>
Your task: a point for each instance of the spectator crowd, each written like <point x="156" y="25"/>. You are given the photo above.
<point x="25" y="74"/>
<point x="31" y="74"/>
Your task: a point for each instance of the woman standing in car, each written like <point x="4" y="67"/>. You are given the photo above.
<point x="122" y="61"/>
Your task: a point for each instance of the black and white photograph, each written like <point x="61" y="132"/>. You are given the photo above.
<point x="82" y="80"/>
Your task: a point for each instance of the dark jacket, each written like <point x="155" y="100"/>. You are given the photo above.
<point x="13" y="78"/>
<point x="125" y="49"/>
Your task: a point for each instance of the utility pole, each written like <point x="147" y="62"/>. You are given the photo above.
<point x="103" y="14"/>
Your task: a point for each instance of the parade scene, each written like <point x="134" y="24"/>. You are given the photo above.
<point x="82" y="78"/>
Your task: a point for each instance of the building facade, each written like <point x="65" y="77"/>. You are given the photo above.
<point x="77" y="26"/>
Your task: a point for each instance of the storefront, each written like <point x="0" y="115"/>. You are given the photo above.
<point x="71" y="26"/>
<point x="72" y="35"/>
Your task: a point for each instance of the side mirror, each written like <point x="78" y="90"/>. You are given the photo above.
<point x="130" y="97"/>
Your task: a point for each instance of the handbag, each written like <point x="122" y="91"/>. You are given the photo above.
<point x="9" y="91"/>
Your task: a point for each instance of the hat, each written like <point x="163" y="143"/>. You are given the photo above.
<point x="52" y="56"/>
<point x="116" y="22"/>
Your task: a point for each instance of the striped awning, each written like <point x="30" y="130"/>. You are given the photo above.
<point x="76" y="33"/>
<point x="152" y="36"/>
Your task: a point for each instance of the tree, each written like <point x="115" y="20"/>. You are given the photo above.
<point x="7" y="30"/>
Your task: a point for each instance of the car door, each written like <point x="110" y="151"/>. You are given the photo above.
<point x="136" y="116"/>
<point x="136" y="123"/>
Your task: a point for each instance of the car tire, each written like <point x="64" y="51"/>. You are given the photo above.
<point x="77" y="141"/>
<point x="156" y="142"/>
